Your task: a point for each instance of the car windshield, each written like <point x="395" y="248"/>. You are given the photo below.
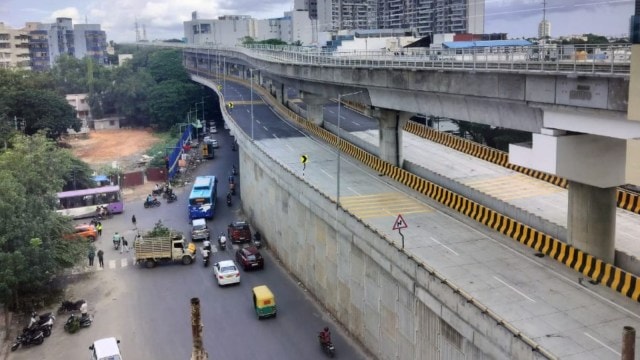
<point x="225" y="269"/>
<point x="199" y="227"/>
<point x="251" y="257"/>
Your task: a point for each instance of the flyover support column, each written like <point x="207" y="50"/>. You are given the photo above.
<point x="389" y="134"/>
<point x="591" y="220"/>
<point x="403" y="118"/>
<point x="281" y="93"/>
<point x="315" y="107"/>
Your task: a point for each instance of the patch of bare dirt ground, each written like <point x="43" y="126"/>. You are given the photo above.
<point x="100" y="148"/>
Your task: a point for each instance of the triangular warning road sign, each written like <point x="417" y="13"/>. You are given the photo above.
<point x="400" y="223"/>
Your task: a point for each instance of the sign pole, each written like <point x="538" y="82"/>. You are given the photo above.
<point x="402" y="237"/>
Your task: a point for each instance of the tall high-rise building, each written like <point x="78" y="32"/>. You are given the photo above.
<point x="634" y="25"/>
<point x="50" y="41"/>
<point x="422" y="17"/>
<point x="544" y="29"/>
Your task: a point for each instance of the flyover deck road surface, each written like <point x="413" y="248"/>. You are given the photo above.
<point x="540" y="297"/>
<point x="535" y="196"/>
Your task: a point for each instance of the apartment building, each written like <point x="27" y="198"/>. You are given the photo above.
<point x="50" y="41"/>
<point x="423" y="17"/>
<point x="14" y="48"/>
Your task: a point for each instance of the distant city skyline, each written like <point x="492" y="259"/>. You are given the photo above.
<point x="164" y="19"/>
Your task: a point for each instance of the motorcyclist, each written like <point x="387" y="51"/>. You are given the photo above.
<point x="228" y="197"/>
<point x="257" y="236"/>
<point x="83" y="310"/>
<point x="207" y="245"/>
<point x="232" y="180"/>
<point x="157" y="187"/>
<point x="325" y="336"/>
<point x="233" y="169"/>
<point x="149" y="199"/>
<point x="222" y="239"/>
<point x="205" y="254"/>
<point x="116" y="240"/>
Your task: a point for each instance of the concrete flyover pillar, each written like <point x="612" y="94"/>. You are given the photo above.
<point x="403" y="118"/>
<point x="389" y="134"/>
<point x="315" y="107"/>
<point x="592" y="220"/>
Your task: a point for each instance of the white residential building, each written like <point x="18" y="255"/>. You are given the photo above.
<point x="14" y="48"/>
<point x="83" y="112"/>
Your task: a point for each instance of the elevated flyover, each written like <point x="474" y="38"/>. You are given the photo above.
<point x="454" y="291"/>
<point x="576" y="110"/>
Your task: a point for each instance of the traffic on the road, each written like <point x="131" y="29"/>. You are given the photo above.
<point x="136" y="295"/>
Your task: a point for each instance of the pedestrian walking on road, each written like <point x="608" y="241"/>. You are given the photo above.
<point x="133" y="220"/>
<point x="101" y="258"/>
<point x="125" y="245"/>
<point x="92" y="254"/>
<point x="99" y="228"/>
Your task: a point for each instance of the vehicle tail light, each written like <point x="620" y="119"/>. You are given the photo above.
<point x="220" y="277"/>
<point x="238" y="275"/>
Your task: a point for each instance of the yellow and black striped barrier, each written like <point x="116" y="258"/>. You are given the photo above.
<point x="625" y="199"/>
<point x="615" y="278"/>
<point x="600" y="272"/>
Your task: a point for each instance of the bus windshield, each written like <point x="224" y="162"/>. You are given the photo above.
<point x="202" y="199"/>
<point x="80" y="204"/>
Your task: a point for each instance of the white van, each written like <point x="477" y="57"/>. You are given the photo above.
<point x="105" y="349"/>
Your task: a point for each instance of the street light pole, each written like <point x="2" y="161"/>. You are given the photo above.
<point x="251" y="72"/>
<point x="340" y="96"/>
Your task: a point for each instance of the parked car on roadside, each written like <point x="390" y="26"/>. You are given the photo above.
<point x="250" y="258"/>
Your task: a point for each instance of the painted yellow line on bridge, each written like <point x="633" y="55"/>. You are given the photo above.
<point x="255" y="102"/>
<point x="516" y="186"/>
<point x="382" y="205"/>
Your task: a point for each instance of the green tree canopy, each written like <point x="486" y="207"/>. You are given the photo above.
<point x="32" y="250"/>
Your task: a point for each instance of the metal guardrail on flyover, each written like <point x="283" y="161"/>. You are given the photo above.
<point x="606" y="59"/>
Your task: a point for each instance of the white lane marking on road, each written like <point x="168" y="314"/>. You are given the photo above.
<point x="235" y="246"/>
<point x="326" y="173"/>
<point x="514" y="289"/>
<point x="358" y="124"/>
<point x="331" y="111"/>
<point x="124" y="262"/>
<point x="276" y="136"/>
<point x="357" y="193"/>
<point x="112" y="264"/>
<point x="444" y="246"/>
<point x="289" y="146"/>
<point x="265" y="128"/>
<point x="603" y="344"/>
<point x="257" y="121"/>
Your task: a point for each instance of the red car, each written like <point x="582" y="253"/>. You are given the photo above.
<point x="250" y="258"/>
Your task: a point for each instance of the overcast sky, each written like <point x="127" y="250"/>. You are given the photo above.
<point x="164" y="18"/>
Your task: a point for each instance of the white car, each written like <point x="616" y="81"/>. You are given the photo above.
<point x="105" y="349"/>
<point x="213" y="130"/>
<point x="226" y="272"/>
<point x="212" y="141"/>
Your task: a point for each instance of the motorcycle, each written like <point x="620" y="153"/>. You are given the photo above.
<point x="257" y="240"/>
<point x="152" y="203"/>
<point x="229" y="201"/>
<point x="158" y="190"/>
<point x="232" y="188"/>
<point x="28" y="337"/>
<point x="234" y="172"/>
<point x="327" y="347"/>
<point x="42" y="322"/>
<point x="171" y="198"/>
<point x="68" y="306"/>
<point x="222" y="241"/>
<point x="75" y="323"/>
<point x="205" y="256"/>
<point x="233" y="146"/>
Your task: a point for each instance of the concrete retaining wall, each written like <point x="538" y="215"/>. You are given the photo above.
<point x="396" y="307"/>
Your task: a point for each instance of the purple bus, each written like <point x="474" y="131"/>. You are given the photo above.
<point x="80" y="204"/>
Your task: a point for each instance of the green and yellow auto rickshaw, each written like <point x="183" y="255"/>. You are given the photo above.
<point x="264" y="302"/>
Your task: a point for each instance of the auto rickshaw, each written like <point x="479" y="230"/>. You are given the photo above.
<point x="264" y="302"/>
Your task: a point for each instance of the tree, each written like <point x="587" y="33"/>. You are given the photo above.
<point x="40" y="110"/>
<point x="32" y="248"/>
<point x="166" y="65"/>
<point x="247" y="40"/>
<point x="169" y="101"/>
